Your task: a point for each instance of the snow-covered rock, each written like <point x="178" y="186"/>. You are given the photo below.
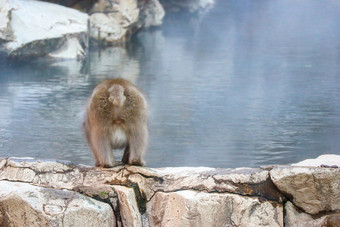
<point x="330" y="160"/>
<point x="34" y="28"/>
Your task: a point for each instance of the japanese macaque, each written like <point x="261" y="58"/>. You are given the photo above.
<point x="116" y="118"/>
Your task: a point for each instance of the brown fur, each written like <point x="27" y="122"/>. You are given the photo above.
<point x="116" y="107"/>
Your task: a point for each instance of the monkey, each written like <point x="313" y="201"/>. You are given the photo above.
<point x="116" y="118"/>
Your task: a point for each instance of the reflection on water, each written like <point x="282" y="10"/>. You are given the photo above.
<point x="248" y="83"/>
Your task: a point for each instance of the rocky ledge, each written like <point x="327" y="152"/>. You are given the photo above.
<point x="55" y="193"/>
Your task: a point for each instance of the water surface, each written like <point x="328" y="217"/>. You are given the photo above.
<point x="247" y="83"/>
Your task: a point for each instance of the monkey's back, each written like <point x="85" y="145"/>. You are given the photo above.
<point x="101" y="110"/>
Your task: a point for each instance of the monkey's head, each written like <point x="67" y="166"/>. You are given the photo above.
<point x="116" y="95"/>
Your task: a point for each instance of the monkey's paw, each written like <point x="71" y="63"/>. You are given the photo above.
<point x="136" y="163"/>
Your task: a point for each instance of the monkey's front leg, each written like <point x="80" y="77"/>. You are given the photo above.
<point x="135" y="150"/>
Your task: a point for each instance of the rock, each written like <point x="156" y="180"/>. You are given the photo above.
<point x="183" y="196"/>
<point x="113" y="22"/>
<point x="152" y="13"/>
<point x="243" y="181"/>
<point x="296" y="218"/>
<point x="128" y="206"/>
<point x="332" y="220"/>
<point x="22" y="204"/>
<point x="51" y="30"/>
<point x="187" y="5"/>
<point x="56" y="174"/>
<point x="190" y="208"/>
<point x="313" y="190"/>
<point x="6" y="33"/>
<point x="327" y="160"/>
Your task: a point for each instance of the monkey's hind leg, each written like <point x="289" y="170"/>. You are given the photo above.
<point x="137" y="146"/>
<point x="103" y="152"/>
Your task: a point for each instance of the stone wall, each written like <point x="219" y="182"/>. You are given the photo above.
<point x="54" y="193"/>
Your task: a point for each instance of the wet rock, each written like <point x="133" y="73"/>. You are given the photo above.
<point x="312" y="190"/>
<point x="190" y="208"/>
<point x="34" y="29"/>
<point x="22" y="204"/>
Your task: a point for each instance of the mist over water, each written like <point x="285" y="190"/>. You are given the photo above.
<point x="247" y="83"/>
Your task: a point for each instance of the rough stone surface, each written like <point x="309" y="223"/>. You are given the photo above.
<point x="22" y="204"/>
<point x="187" y="196"/>
<point x="243" y="181"/>
<point x="113" y="22"/>
<point x="313" y="190"/>
<point x="128" y="206"/>
<point x="34" y="28"/>
<point x="296" y="218"/>
<point x="190" y="208"/>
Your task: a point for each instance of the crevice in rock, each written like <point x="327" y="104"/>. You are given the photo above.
<point x="288" y="197"/>
<point x="158" y="179"/>
<point x="5" y="164"/>
<point x="265" y="190"/>
<point x="67" y="202"/>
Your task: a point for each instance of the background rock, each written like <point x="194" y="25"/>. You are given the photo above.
<point x="152" y="13"/>
<point x="6" y="33"/>
<point x="187" y="5"/>
<point x="35" y="28"/>
<point x="114" y="22"/>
